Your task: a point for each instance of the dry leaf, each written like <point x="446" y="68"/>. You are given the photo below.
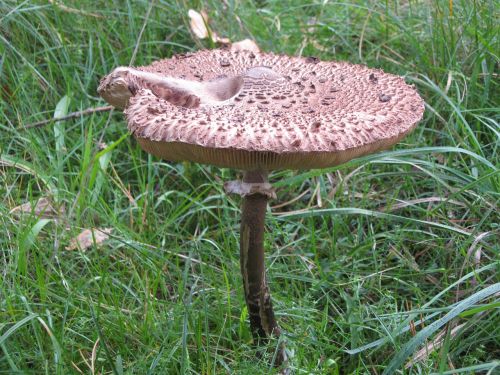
<point x="42" y="208"/>
<point x="218" y="39"/>
<point x="89" y="237"/>
<point x="198" y="23"/>
<point x="245" y="45"/>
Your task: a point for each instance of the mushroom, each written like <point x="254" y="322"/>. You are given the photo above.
<point x="259" y="112"/>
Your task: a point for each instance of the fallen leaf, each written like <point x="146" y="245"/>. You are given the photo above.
<point x="245" y="45"/>
<point x="89" y="237"/>
<point x="43" y="208"/>
<point x="218" y="39"/>
<point x="198" y="23"/>
<point x="199" y="26"/>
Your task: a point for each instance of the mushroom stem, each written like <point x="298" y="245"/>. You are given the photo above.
<point x="258" y="298"/>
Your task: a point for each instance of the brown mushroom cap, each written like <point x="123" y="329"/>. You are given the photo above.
<point x="266" y="111"/>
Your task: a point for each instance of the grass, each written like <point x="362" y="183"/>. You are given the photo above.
<point x="377" y="258"/>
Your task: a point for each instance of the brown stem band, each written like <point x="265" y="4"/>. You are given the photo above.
<point x="258" y="298"/>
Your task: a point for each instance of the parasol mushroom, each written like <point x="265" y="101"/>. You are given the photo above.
<point x="259" y="112"/>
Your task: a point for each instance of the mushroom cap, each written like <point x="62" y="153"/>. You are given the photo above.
<point x="286" y="112"/>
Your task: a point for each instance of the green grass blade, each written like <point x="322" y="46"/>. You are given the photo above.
<point x="489" y="367"/>
<point x="419" y="339"/>
<point x="376" y="214"/>
<point x="16" y="326"/>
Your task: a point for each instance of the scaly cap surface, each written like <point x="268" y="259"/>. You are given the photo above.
<point x="251" y="111"/>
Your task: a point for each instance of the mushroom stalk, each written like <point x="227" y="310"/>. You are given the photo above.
<point x="258" y="298"/>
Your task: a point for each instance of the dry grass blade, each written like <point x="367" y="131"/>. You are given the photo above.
<point x="66" y="8"/>
<point x="406" y="257"/>
<point x="76" y="368"/>
<point x="85" y="360"/>
<point x="71" y="115"/>
<point x="473" y="249"/>
<point x="343" y="181"/>
<point x="299" y="211"/>
<point x="319" y="200"/>
<point x="432" y="346"/>
<point x="94" y="356"/>
<point x="118" y="181"/>
<point x="295" y="199"/>
<point x="413" y="202"/>
<point x="138" y="41"/>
